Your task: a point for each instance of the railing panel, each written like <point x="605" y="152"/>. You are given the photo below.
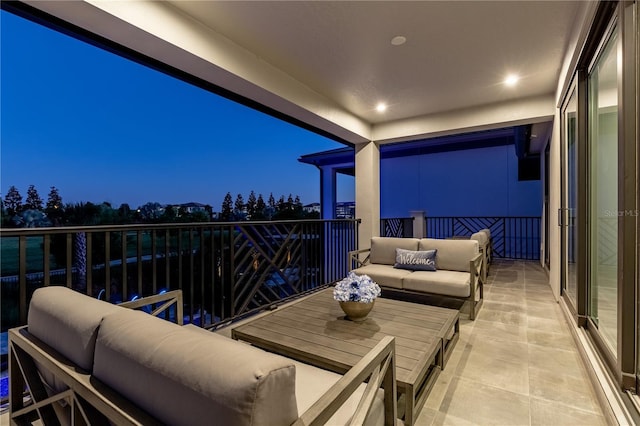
<point x="512" y="237"/>
<point x="224" y="270"/>
<point x="401" y="227"/>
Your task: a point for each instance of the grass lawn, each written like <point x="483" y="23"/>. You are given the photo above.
<point x="9" y="264"/>
<point x="9" y="255"/>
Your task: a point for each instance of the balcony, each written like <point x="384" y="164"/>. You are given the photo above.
<point x="231" y="271"/>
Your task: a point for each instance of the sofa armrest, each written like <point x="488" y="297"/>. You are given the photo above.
<point x="354" y="258"/>
<point x="169" y="298"/>
<point x="476" y="265"/>
<point x="379" y="367"/>
<point x="475" y="268"/>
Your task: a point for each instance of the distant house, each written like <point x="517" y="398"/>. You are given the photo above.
<point x="193" y="207"/>
<point x="312" y="208"/>
<point x="345" y="210"/>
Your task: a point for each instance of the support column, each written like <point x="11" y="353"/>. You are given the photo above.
<point x="367" y="158"/>
<point x="419" y="225"/>
<point x="327" y="192"/>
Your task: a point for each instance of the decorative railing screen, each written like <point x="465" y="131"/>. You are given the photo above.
<point x="401" y="227"/>
<point x="512" y="237"/>
<point x="225" y="270"/>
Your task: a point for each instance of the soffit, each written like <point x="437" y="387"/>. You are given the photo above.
<point x="456" y="55"/>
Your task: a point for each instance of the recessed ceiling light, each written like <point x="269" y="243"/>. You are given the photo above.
<point x="381" y="107"/>
<point x="398" y="40"/>
<point x="511" y="80"/>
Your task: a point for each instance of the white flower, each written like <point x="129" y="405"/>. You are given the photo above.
<point x="356" y="288"/>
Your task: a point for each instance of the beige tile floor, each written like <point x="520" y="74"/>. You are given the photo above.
<point x="517" y="364"/>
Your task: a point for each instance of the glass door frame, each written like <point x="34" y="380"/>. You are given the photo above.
<point x="621" y="17"/>
<point x="577" y="306"/>
<point x="610" y="354"/>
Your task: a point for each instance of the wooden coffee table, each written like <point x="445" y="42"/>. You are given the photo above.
<point x="315" y="331"/>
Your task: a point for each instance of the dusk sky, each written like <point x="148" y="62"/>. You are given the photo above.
<point x="101" y="128"/>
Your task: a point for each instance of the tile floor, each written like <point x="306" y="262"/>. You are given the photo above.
<point x="517" y="363"/>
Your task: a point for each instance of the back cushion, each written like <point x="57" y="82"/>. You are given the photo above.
<point x="480" y="237"/>
<point x="383" y="249"/>
<point x="453" y="255"/>
<point x="183" y="377"/>
<point x="68" y="321"/>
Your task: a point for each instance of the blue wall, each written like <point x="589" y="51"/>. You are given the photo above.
<point x="475" y="182"/>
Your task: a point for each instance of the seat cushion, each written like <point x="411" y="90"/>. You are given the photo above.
<point x="384" y="275"/>
<point x="181" y="378"/>
<point x="383" y="249"/>
<point x="312" y="382"/>
<point x="450" y="283"/>
<point x="453" y="255"/>
<point x="68" y="321"/>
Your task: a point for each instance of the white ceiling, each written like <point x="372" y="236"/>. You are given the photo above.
<point x="328" y="63"/>
<point x="456" y="55"/>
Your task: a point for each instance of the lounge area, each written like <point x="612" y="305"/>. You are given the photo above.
<point x="496" y="370"/>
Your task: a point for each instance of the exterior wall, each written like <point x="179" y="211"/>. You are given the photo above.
<point x="477" y="182"/>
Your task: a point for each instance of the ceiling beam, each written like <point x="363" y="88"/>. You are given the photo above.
<point x="486" y="117"/>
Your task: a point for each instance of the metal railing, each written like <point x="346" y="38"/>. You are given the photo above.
<point x="400" y="227"/>
<point x="225" y="270"/>
<point x="512" y="237"/>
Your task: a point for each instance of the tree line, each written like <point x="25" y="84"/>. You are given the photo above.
<point x="34" y="212"/>
<point x="255" y="208"/>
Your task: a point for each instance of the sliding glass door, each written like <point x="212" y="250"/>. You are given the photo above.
<point x="602" y="141"/>
<point x="569" y="197"/>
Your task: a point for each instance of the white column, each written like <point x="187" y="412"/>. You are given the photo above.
<point x="419" y="225"/>
<point x="327" y="192"/>
<point x="367" y="158"/>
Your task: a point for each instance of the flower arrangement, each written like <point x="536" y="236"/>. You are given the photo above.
<point x="356" y="288"/>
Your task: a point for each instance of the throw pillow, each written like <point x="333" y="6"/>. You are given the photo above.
<point x="416" y="260"/>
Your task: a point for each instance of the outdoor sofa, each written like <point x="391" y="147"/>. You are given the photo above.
<point x="85" y="361"/>
<point x="455" y="267"/>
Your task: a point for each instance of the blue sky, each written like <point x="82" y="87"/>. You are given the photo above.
<point x="102" y="128"/>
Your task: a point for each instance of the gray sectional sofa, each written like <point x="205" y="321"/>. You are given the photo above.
<point x="458" y="267"/>
<point x="85" y="361"/>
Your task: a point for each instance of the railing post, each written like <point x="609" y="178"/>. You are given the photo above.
<point x="419" y="228"/>
<point x="22" y="289"/>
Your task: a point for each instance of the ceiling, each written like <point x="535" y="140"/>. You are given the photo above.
<point x="327" y="64"/>
<point x="457" y="53"/>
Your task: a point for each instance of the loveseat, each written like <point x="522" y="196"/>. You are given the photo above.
<point x="448" y="268"/>
<point x="85" y="361"/>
